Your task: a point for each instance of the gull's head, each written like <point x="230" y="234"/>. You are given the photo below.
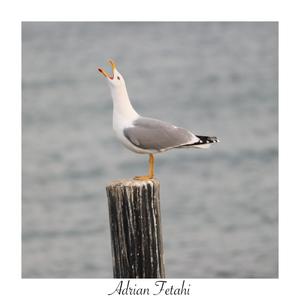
<point x="115" y="79"/>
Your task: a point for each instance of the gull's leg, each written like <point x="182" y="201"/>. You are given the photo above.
<point x="151" y="170"/>
<point x="151" y="166"/>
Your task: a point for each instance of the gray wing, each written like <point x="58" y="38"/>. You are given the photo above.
<point x="147" y="133"/>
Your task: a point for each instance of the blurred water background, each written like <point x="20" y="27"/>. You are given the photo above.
<point x="219" y="206"/>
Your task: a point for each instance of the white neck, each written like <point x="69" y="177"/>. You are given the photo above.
<point x="121" y="103"/>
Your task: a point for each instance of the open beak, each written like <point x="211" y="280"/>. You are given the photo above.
<point x="113" y="66"/>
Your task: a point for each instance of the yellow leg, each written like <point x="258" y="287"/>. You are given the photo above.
<point x="151" y="170"/>
<point x="151" y="166"/>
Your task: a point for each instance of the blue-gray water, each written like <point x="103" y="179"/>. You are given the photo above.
<point x="219" y="206"/>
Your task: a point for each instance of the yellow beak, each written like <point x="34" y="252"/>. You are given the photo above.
<point x="113" y="66"/>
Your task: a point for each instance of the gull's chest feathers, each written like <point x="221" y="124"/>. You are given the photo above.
<point x="123" y="113"/>
<point x="120" y="122"/>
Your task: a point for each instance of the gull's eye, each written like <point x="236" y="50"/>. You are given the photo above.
<point x="118" y="77"/>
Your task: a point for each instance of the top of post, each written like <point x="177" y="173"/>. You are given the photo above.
<point x="132" y="183"/>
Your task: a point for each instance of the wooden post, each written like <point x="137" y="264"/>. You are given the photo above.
<point x="135" y="226"/>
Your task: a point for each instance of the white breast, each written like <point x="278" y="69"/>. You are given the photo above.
<point x="119" y="124"/>
<point x="123" y="115"/>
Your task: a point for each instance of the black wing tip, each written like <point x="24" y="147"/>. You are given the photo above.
<point x="207" y="139"/>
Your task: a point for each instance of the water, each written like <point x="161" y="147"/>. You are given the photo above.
<point x="219" y="206"/>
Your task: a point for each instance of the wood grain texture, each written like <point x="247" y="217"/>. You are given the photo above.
<point x="135" y="225"/>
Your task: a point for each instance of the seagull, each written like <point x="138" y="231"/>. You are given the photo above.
<point x="146" y="135"/>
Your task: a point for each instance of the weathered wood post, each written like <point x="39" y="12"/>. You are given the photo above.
<point x="135" y="226"/>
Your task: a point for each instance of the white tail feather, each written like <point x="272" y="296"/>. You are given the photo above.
<point x="203" y="146"/>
